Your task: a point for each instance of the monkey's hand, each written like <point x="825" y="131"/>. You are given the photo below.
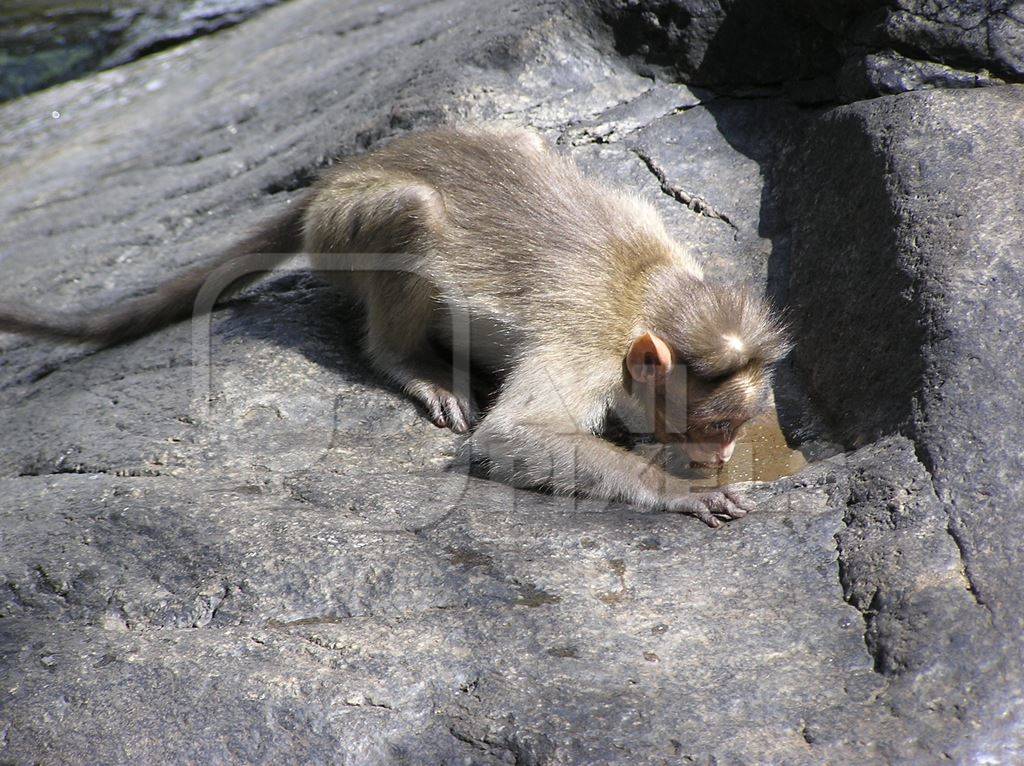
<point x="712" y="507"/>
<point x="447" y="410"/>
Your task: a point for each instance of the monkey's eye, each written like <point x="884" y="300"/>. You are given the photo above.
<point x="721" y="425"/>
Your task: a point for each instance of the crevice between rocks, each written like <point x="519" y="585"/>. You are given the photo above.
<point x="866" y="540"/>
<point x="953" y="530"/>
<point x="581" y="135"/>
<point x="365" y="701"/>
<point x="80" y="469"/>
<point x="957" y="537"/>
<point x="866" y="612"/>
<point x="493" y="747"/>
<point x="692" y="202"/>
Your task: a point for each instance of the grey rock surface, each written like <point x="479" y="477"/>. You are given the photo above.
<point x="273" y="558"/>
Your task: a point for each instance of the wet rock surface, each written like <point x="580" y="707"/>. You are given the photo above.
<point x="272" y="558"/>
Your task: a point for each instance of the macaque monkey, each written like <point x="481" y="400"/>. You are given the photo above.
<point x="575" y="294"/>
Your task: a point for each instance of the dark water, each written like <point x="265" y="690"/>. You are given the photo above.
<point x="44" y="42"/>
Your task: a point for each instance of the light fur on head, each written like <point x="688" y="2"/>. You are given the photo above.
<point x="716" y="330"/>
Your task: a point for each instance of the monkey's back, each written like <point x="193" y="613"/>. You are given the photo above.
<point x="528" y="238"/>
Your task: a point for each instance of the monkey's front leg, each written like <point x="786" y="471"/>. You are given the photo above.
<point x="536" y="454"/>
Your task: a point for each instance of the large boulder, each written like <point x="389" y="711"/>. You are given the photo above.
<point x="909" y="299"/>
<point x="242" y="547"/>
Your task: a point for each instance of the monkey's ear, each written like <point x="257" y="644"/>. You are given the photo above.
<point x="648" y="358"/>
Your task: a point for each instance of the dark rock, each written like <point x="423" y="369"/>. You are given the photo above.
<point x="888" y="72"/>
<point x="818" y="52"/>
<point x="973" y="34"/>
<point x="731" y="44"/>
<point x="272" y="558"/>
<point x="921" y="193"/>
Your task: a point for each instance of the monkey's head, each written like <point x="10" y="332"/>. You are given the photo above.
<point x="702" y="364"/>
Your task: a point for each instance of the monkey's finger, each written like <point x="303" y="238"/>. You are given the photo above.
<point x="741" y="500"/>
<point x="469" y="411"/>
<point x="473" y="414"/>
<point x="692" y="506"/>
<point x="435" y="410"/>
<point x="719" y="503"/>
<point x="454" y="414"/>
<point x="708" y="518"/>
<point x="699" y="510"/>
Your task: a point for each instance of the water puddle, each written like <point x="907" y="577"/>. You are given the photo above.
<point x="761" y="455"/>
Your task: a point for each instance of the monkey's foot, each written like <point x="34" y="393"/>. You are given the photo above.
<point x="445" y="409"/>
<point x="712" y="507"/>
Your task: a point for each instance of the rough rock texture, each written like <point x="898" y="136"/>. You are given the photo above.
<point x="929" y="259"/>
<point x="271" y="558"/>
<point x="825" y="51"/>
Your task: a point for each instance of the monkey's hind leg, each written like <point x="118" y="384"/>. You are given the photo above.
<point x="375" y="211"/>
<point x="399" y="313"/>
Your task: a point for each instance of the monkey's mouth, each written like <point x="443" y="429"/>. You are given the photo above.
<point x="680" y="442"/>
<point x="717" y="465"/>
<point x="699" y="458"/>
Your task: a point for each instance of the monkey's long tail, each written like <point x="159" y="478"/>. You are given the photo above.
<point x="170" y="302"/>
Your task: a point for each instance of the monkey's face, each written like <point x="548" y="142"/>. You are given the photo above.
<point x="702" y="416"/>
<point x="712" y="444"/>
<point x="680" y="413"/>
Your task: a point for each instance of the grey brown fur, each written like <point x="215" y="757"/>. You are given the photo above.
<point x="559" y="277"/>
